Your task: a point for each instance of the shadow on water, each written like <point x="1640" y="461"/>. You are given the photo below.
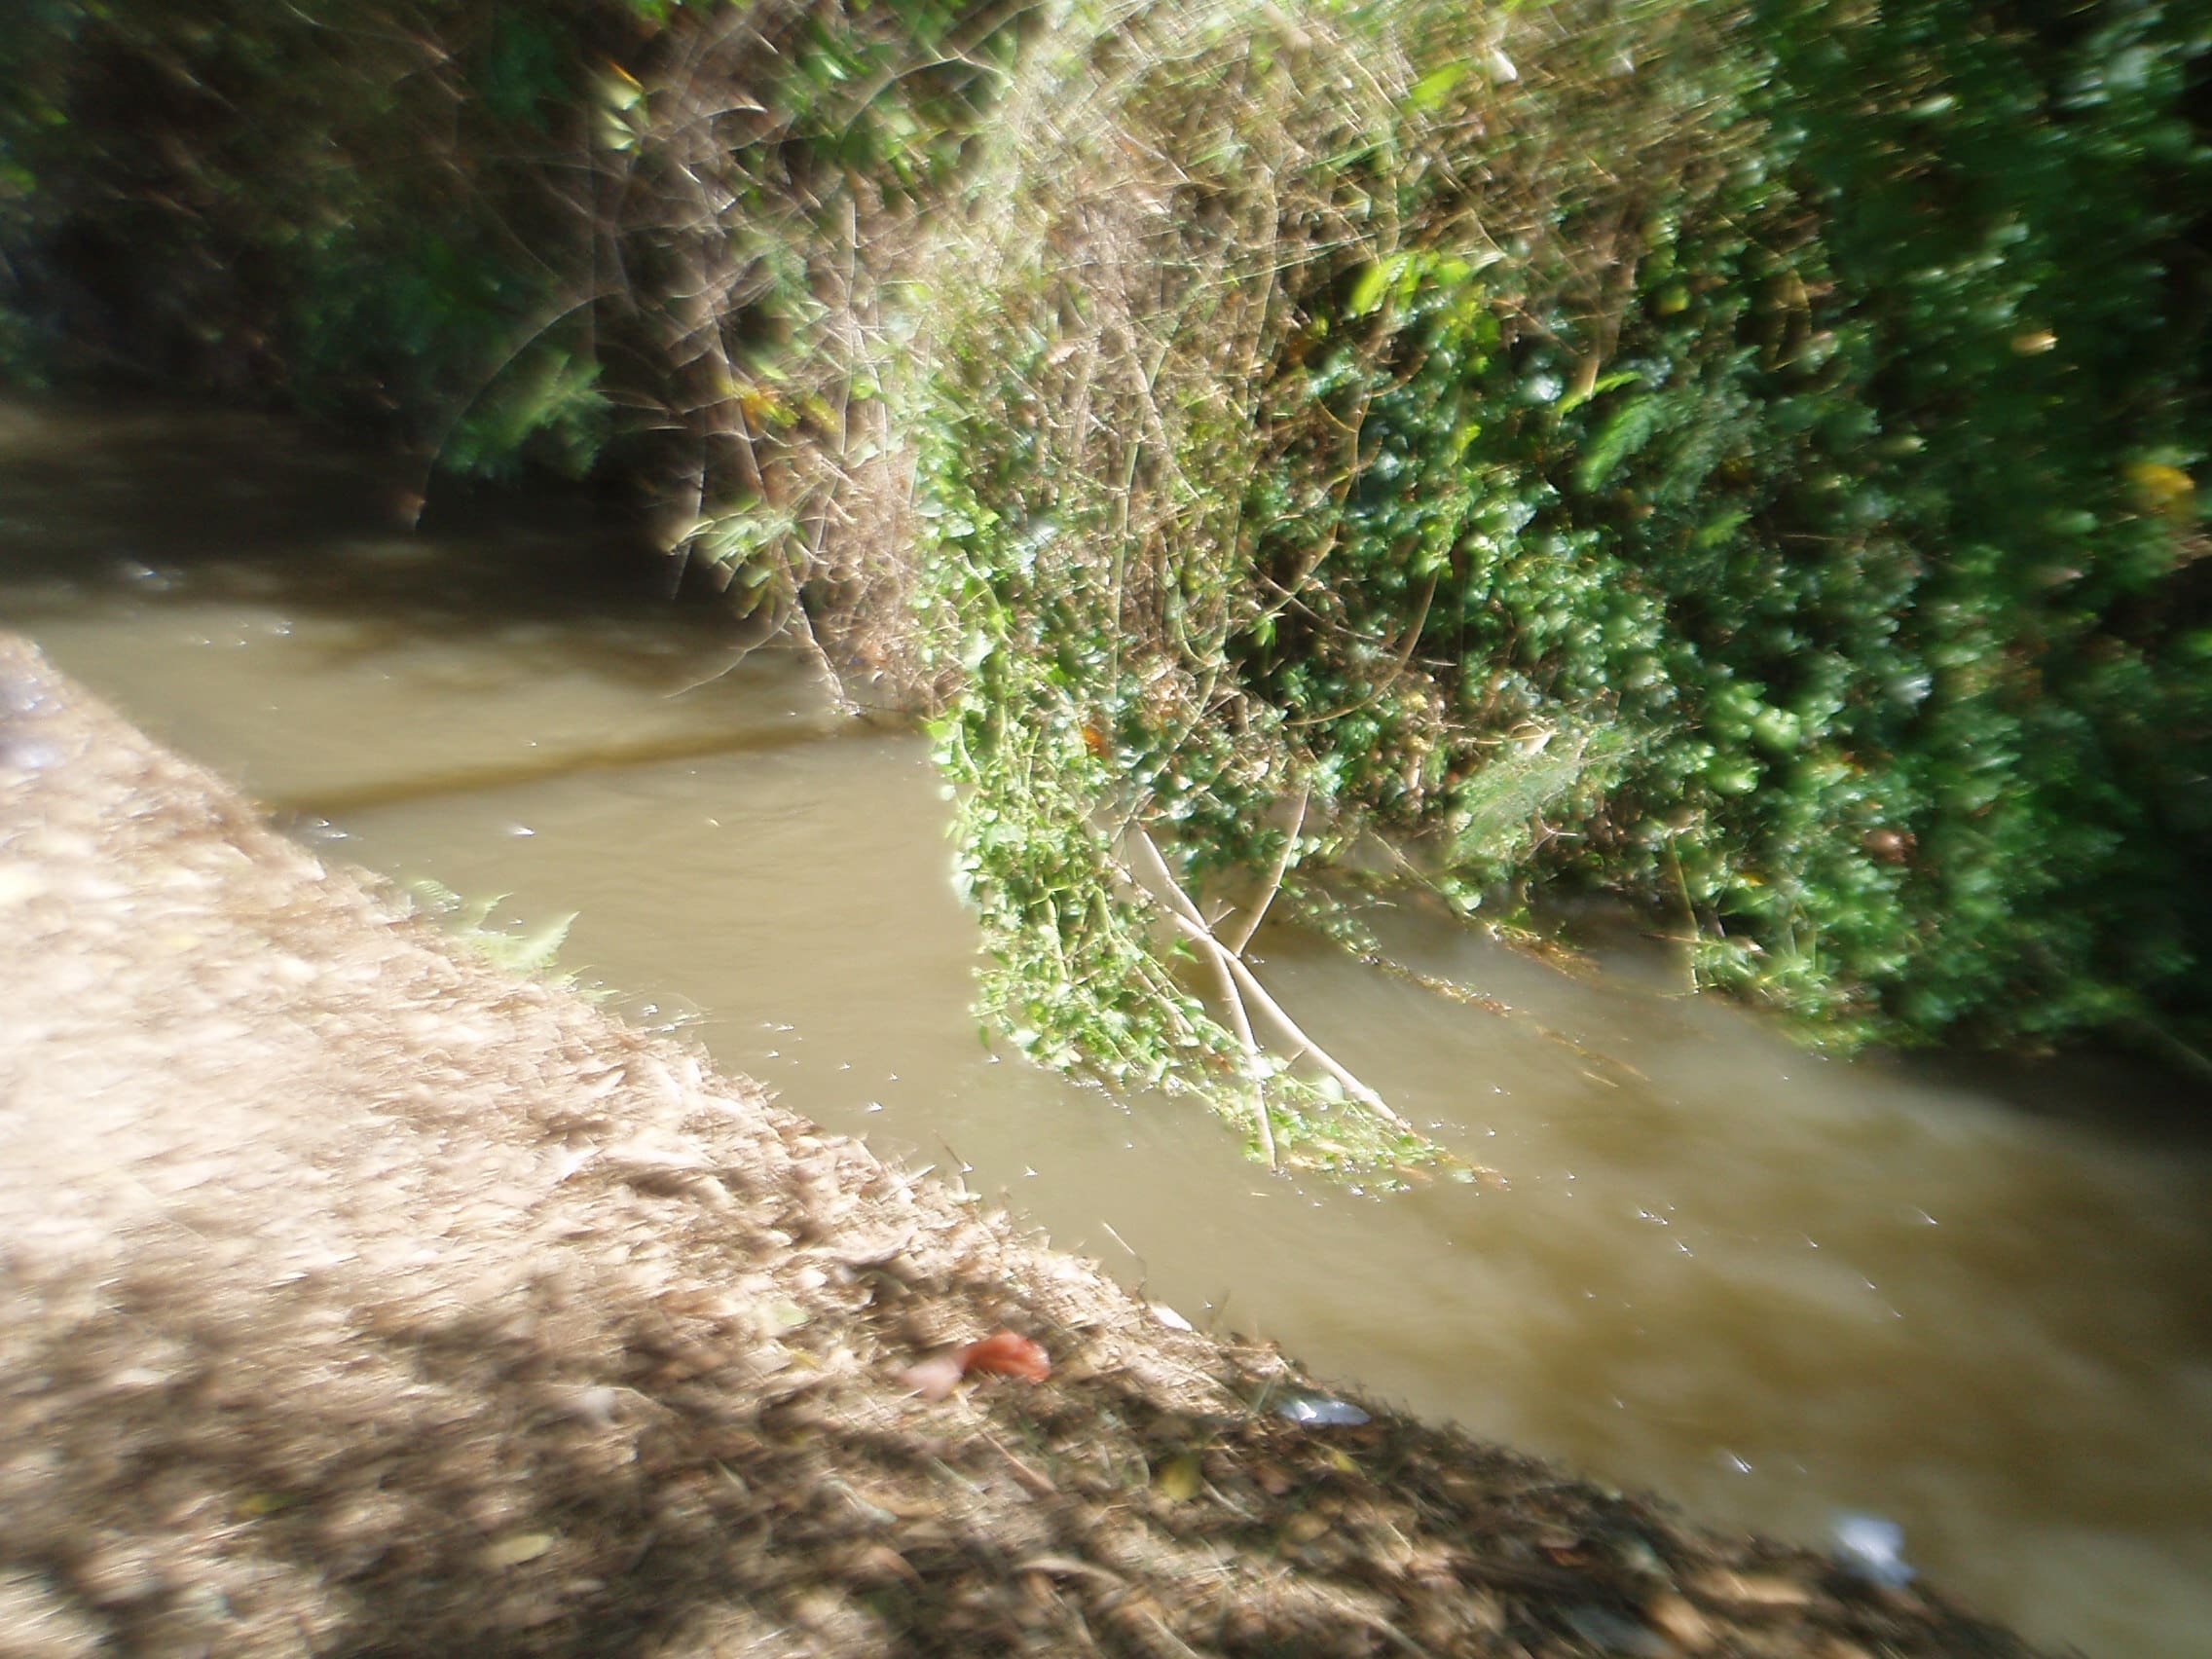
<point x="159" y="505"/>
<point x="2111" y="1092"/>
<point x="505" y="640"/>
<point x="2154" y="1092"/>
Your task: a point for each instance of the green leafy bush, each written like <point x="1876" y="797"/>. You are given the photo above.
<point x="1772" y="501"/>
<point x="1740" y="454"/>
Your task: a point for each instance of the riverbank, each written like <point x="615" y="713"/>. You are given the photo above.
<point x="362" y="1298"/>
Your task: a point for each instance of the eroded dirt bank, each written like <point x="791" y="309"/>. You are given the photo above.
<point x="355" y="1298"/>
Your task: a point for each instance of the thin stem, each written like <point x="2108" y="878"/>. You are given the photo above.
<point x="1192" y="924"/>
<point x="1274" y="882"/>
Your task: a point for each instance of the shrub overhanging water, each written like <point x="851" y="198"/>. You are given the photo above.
<point x="1740" y="454"/>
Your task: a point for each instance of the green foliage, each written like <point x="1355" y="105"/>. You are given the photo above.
<point x="520" y="236"/>
<point x="469" y="920"/>
<point x="1881" y="487"/>
<point x="1774" y="503"/>
<point x="347" y="207"/>
<point x="1078" y="977"/>
<point x="1736" y="453"/>
<point x="1849" y="545"/>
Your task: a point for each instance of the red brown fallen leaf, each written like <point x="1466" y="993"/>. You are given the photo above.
<point x="1002" y="1353"/>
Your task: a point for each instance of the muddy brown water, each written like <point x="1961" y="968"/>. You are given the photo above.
<point x="1774" y="1288"/>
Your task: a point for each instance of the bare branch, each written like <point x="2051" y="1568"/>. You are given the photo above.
<point x="1267" y="896"/>
<point x="1184" y="914"/>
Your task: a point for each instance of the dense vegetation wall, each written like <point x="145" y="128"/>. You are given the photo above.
<point x="1743" y="455"/>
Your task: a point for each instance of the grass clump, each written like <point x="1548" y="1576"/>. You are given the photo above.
<point x="532" y="954"/>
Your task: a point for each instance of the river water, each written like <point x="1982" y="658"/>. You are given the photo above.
<point x="1772" y="1287"/>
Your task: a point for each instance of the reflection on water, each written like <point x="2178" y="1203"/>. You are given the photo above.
<point x="1773" y="1287"/>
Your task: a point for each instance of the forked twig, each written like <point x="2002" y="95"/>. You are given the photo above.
<point x="1242" y="987"/>
<point x="1186" y="915"/>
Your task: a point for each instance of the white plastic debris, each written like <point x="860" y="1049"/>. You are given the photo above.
<point x="1868" y="1547"/>
<point x="1317" y="1412"/>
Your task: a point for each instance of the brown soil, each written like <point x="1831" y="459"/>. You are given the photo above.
<point x="358" y="1299"/>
